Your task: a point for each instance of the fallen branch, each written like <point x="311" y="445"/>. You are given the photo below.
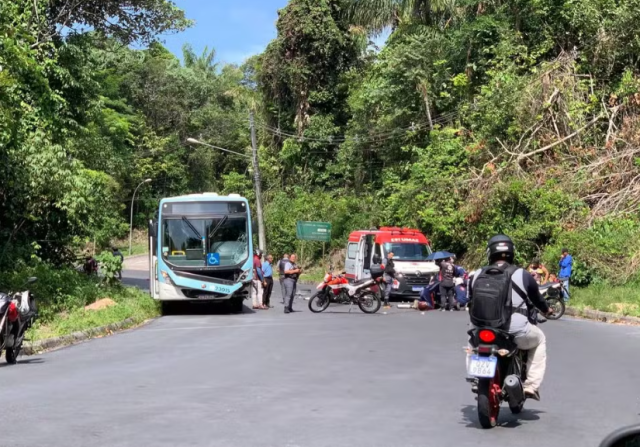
<point x="554" y="144"/>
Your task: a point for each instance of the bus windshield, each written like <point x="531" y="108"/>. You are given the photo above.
<point x="408" y="251"/>
<point x="205" y="242"/>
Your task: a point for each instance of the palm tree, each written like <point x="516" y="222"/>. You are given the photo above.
<point x="204" y="62"/>
<point x="376" y="15"/>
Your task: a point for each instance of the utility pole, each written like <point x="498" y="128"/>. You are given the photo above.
<point x="262" y="240"/>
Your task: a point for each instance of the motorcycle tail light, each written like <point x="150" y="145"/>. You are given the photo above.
<point x="12" y="314"/>
<point x="487" y="336"/>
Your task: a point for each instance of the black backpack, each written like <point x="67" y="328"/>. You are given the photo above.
<point x="491" y="297"/>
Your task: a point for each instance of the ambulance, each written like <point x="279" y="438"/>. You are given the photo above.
<point x="410" y="249"/>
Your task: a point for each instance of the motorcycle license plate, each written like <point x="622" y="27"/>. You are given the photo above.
<point x="417" y="289"/>
<point x="484" y="367"/>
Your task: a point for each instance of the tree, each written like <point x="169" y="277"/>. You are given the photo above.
<point x="377" y="15"/>
<point x="126" y="20"/>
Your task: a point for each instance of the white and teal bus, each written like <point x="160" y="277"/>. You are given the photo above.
<point x="200" y="249"/>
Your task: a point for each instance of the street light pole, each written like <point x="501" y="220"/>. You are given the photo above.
<point x="262" y="240"/>
<point x="131" y="221"/>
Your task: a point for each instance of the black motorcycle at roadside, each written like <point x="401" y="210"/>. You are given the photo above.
<point x="553" y="294"/>
<point x="18" y="312"/>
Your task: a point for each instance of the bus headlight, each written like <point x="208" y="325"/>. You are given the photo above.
<point x="167" y="278"/>
<point x="244" y="275"/>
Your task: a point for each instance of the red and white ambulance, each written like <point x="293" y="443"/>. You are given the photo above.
<point x="410" y="249"/>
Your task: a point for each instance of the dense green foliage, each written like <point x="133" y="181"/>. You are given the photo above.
<point x="475" y="118"/>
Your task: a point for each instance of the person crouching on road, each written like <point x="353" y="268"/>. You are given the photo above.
<point x="447" y="286"/>
<point x="258" y="279"/>
<point x="291" y="275"/>
<point x="388" y="277"/>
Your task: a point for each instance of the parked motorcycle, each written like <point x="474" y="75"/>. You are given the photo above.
<point x="18" y="312"/>
<point x="499" y="368"/>
<point x="553" y="294"/>
<point x="336" y="289"/>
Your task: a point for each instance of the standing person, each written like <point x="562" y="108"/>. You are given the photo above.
<point x="258" y="279"/>
<point x="566" y="268"/>
<point x="267" y="271"/>
<point x="291" y="275"/>
<point x="388" y="277"/>
<point x="116" y="253"/>
<point x="447" y="286"/>
<point x="281" y="265"/>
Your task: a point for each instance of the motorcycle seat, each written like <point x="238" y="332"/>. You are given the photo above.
<point x="360" y="281"/>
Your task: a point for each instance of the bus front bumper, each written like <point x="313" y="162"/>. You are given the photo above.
<point x="212" y="293"/>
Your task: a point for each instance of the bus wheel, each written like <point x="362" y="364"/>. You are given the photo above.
<point x="236" y="305"/>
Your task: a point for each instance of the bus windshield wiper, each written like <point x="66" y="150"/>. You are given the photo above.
<point x="217" y="227"/>
<point x="196" y="232"/>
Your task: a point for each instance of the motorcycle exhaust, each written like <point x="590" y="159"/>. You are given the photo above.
<point x="514" y="390"/>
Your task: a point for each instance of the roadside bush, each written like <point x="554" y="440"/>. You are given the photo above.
<point x="608" y="251"/>
<point x="109" y="267"/>
<point x="58" y="289"/>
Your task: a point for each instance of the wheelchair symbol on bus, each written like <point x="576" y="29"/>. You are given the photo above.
<point x="213" y="259"/>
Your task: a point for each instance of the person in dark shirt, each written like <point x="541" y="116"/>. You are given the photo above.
<point x="388" y="277"/>
<point x="90" y="266"/>
<point x="447" y="286"/>
<point x="116" y="253"/>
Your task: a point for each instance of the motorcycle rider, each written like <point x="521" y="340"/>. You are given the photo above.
<point x="525" y="295"/>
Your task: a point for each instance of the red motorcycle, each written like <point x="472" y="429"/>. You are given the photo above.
<point x="336" y="289"/>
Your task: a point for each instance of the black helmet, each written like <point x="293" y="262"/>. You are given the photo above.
<point x="500" y="248"/>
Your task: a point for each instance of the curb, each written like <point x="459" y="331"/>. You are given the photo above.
<point x="605" y="317"/>
<point x="78" y="337"/>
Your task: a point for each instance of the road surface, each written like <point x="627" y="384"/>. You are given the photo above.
<point x="334" y="379"/>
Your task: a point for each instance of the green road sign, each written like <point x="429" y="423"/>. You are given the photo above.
<point x="314" y="231"/>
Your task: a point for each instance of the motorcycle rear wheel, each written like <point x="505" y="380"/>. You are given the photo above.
<point x="488" y="409"/>
<point x="369" y="303"/>
<point x="558" y="306"/>
<point x="319" y="302"/>
<point x="12" y="355"/>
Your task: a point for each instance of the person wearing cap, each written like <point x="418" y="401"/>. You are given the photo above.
<point x="258" y="280"/>
<point x="566" y="268"/>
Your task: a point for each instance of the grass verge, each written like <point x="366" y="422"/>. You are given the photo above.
<point x="130" y="303"/>
<point x="624" y="300"/>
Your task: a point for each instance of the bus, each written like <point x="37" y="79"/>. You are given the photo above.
<point x="200" y="249"/>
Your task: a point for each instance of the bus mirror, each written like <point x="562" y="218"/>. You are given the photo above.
<point x="254" y="225"/>
<point x="153" y="228"/>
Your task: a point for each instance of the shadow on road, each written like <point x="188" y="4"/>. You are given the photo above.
<point x="506" y="418"/>
<point x="203" y="308"/>
<point x="24" y="361"/>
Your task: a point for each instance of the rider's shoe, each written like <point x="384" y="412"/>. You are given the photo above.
<point x="530" y="393"/>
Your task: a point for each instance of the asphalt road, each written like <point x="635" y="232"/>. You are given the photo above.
<point x="334" y="379"/>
